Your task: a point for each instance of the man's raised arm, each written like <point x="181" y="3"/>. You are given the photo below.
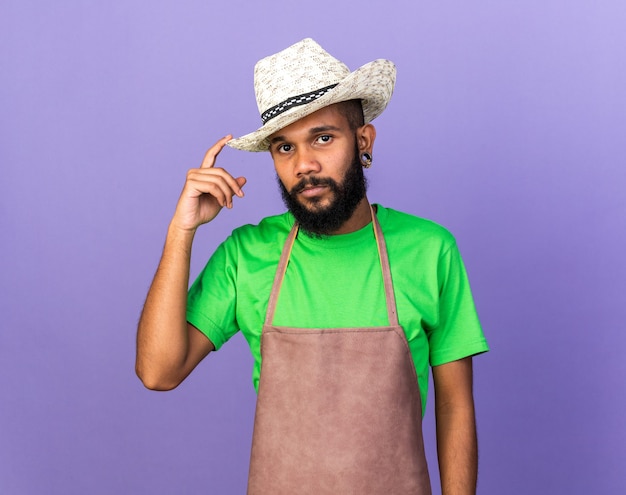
<point x="168" y="347"/>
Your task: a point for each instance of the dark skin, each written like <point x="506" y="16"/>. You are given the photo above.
<point x="457" y="445"/>
<point x="322" y="145"/>
<point x="169" y="348"/>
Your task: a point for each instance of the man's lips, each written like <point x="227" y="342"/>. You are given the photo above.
<point x="311" y="186"/>
<point x="310" y="191"/>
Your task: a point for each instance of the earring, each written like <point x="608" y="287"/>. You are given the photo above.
<point x="366" y="160"/>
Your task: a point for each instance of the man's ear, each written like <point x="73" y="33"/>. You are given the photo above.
<point x="366" y="135"/>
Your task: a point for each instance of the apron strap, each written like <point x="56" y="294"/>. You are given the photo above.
<point x="390" y="297"/>
<point x="280" y="274"/>
<point x="384" y="263"/>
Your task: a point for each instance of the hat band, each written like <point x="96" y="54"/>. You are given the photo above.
<point x="294" y="101"/>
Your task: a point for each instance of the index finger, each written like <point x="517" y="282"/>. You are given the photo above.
<point x="209" y="158"/>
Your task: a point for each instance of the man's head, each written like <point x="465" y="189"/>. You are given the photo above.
<point x="304" y="78"/>
<point x="318" y="165"/>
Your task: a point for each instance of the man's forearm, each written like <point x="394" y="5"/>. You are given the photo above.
<point x="457" y="449"/>
<point x="162" y="337"/>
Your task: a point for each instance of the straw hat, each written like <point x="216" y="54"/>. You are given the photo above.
<point x="302" y="79"/>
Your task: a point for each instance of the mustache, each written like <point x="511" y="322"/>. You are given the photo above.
<point x="312" y="182"/>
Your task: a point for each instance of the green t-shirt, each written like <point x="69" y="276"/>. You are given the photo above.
<point x="336" y="281"/>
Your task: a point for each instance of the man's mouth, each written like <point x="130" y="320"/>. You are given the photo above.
<point x="310" y="190"/>
<point x="310" y="185"/>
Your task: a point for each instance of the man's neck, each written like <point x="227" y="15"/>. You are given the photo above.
<point x="360" y="218"/>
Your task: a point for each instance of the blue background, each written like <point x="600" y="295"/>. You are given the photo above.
<point x="508" y="126"/>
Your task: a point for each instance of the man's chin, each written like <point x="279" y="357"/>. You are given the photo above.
<point x="314" y="205"/>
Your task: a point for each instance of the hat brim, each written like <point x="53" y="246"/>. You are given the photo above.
<point x="372" y="83"/>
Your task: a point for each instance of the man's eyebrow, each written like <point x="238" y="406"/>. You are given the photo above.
<point x="312" y="130"/>
<point x="275" y="139"/>
<point x="323" y="128"/>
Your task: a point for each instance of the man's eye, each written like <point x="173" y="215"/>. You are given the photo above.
<point x="284" y="148"/>
<point x="324" y="139"/>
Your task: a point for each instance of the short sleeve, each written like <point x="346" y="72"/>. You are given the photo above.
<point x="211" y="301"/>
<point x="458" y="333"/>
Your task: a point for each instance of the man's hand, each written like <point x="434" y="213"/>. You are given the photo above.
<point x="207" y="190"/>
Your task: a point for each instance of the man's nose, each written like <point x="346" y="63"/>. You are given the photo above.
<point x="306" y="162"/>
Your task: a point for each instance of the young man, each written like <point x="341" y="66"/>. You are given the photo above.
<point x="351" y="301"/>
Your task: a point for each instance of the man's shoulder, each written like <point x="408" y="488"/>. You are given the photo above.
<point x="267" y="230"/>
<point x="402" y="224"/>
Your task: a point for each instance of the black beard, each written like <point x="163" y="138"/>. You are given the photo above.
<point x="319" y="222"/>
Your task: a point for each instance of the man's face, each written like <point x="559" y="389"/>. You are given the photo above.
<point x="319" y="172"/>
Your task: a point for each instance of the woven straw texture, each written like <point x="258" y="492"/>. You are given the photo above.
<point x="288" y="87"/>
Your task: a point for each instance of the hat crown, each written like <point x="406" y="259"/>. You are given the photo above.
<point x="302" y="68"/>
